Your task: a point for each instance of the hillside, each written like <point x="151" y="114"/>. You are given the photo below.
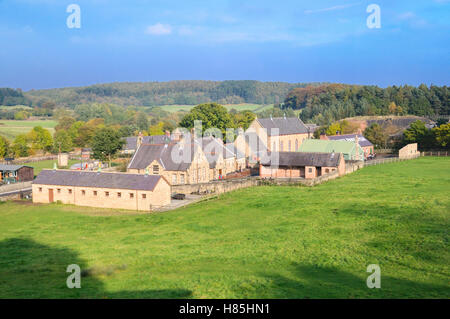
<point x="261" y="242"/>
<point x="327" y="103"/>
<point x="169" y="93"/>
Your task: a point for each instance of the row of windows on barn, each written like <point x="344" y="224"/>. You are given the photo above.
<point x="281" y="149"/>
<point x="95" y="193"/>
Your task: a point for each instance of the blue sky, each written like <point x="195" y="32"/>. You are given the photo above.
<point x="293" y="41"/>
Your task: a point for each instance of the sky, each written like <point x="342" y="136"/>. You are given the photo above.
<point x="163" y="40"/>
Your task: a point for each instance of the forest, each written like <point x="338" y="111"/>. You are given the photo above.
<point x="168" y="93"/>
<point x="325" y="104"/>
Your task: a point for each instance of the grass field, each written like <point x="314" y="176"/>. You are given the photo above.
<point x="264" y="242"/>
<point x="39" y="166"/>
<point x="11" y="128"/>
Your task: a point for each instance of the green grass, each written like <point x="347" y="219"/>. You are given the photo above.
<point x="262" y="242"/>
<point x="11" y="128"/>
<point x="39" y="166"/>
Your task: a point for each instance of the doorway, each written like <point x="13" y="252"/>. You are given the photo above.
<point x="50" y="195"/>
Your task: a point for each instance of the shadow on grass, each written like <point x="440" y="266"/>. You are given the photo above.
<point x="32" y="270"/>
<point x="322" y="282"/>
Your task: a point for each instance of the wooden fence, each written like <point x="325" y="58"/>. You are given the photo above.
<point x="435" y="153"/>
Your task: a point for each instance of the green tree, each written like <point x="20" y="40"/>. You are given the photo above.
<point x="106" y="143"/>
<point x="62" y="142"/>
<point x="417" y="132"/>
<point x="4" y="147"/>
<point x="20" y="146"/>
<point x="375" y="134"/>
<point x="333" y="128"/>
<point x="157" y="129"/>
<point x="40" y="139"/>
<point x="212" y="115"/>
<point x="442" y="134"/>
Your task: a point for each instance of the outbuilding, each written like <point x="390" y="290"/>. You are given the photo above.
<point x="15" y="173"/>
<point x="96" y="189"/>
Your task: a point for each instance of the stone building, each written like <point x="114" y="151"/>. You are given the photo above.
<point x="179" y="163"/>
<point x="409" y="151"/>
<point x="283" y="134"/>
<point x="351" y="150"/>
<point x="297" y="164"/>
<point x="365" y="144"/>
<point x="106" y="190"/>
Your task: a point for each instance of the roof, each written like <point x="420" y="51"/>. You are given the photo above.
<point x="97" y="179"/>
<point x="131" y="141"/>
<point x="173" y="157"/>
<point x="327" y="146"/>
<point x="302" y="159"/>
<point x="286" y="125"/>
<point x="362" y="141"/>
<point x="12" y="167"/>
<point x="212" y="148"/>
<point x="231" y="149"/>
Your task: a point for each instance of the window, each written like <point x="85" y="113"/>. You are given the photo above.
<point x="58" y="190"/>
<point x="296" y="145"/>
<point x="174" y="179"/>
<point x="156" y="169"/>
<point x="182" y="179"/>
<point x="107" y="194"/>
<point x="327" y="170"/>
<point x="95" y="193"/>
<point x="281" y="147"/>
<point x="144" y="196"/>
<point x="289" y="146"/>
<point x="310" y="170"/>
<point x="83" y="192"/>
<point x="40" y="189"/>
<point x="70" y="191"/>
<point x="131" y="195"/>
<point x="119" y="195"/>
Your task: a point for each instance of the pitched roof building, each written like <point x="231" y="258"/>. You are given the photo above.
<point x="350" y="150"/>
<point x="365" y="144"/>
<point x="297" y="164"/>
<point x="96" y="189"/>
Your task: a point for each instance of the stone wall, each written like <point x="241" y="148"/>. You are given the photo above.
<point x="216" y="187"/>
<point x="14" y="187"/>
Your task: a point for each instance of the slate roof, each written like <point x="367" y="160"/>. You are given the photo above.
<point x="97" y="179"/>
<point x="296" y="159"/>
<point x="131" y="141"/>
<point x="11" y="168"/>
<point x="173" y="157"/>
<point x="286" y="126"/>
<point x="231" y="149"/>
<point x="362" y="141"/>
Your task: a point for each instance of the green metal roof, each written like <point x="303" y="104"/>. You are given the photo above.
<point x="326" y="146"/>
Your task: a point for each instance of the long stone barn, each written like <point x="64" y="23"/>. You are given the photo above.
<point x="107" y="190"/>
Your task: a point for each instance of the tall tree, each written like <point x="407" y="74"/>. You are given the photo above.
<point x="106" y="143"/>
<point x="212" y="115"/>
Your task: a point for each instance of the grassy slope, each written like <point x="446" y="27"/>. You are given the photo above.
<point x="265" y="242"/>
<point x="11" y="128"/>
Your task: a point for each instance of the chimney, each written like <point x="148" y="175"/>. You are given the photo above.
<point x="357" y="147"/>
<point x="140" y="138"/>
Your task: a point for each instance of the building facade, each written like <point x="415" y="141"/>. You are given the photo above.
<point x="104" y="190"/>
<point x="304" y="165"/>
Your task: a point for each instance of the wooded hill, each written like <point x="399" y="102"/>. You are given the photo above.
<point x="169" y="93"/>
<point x="327" y="103"/>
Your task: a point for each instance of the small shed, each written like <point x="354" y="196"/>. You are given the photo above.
<point x="15" y="173"/>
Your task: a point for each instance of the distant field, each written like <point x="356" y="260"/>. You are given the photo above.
<point x="259" y="242"/>
<point x="238" y="107"/>
<point x="11" y="128"/>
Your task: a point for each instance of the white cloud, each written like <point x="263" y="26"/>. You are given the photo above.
<point x="333" y="8"/>
<point x="159" y="29"/>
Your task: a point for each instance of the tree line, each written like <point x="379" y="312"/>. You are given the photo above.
<point x="168" y="93"/>
<point x="328" y="103"/>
